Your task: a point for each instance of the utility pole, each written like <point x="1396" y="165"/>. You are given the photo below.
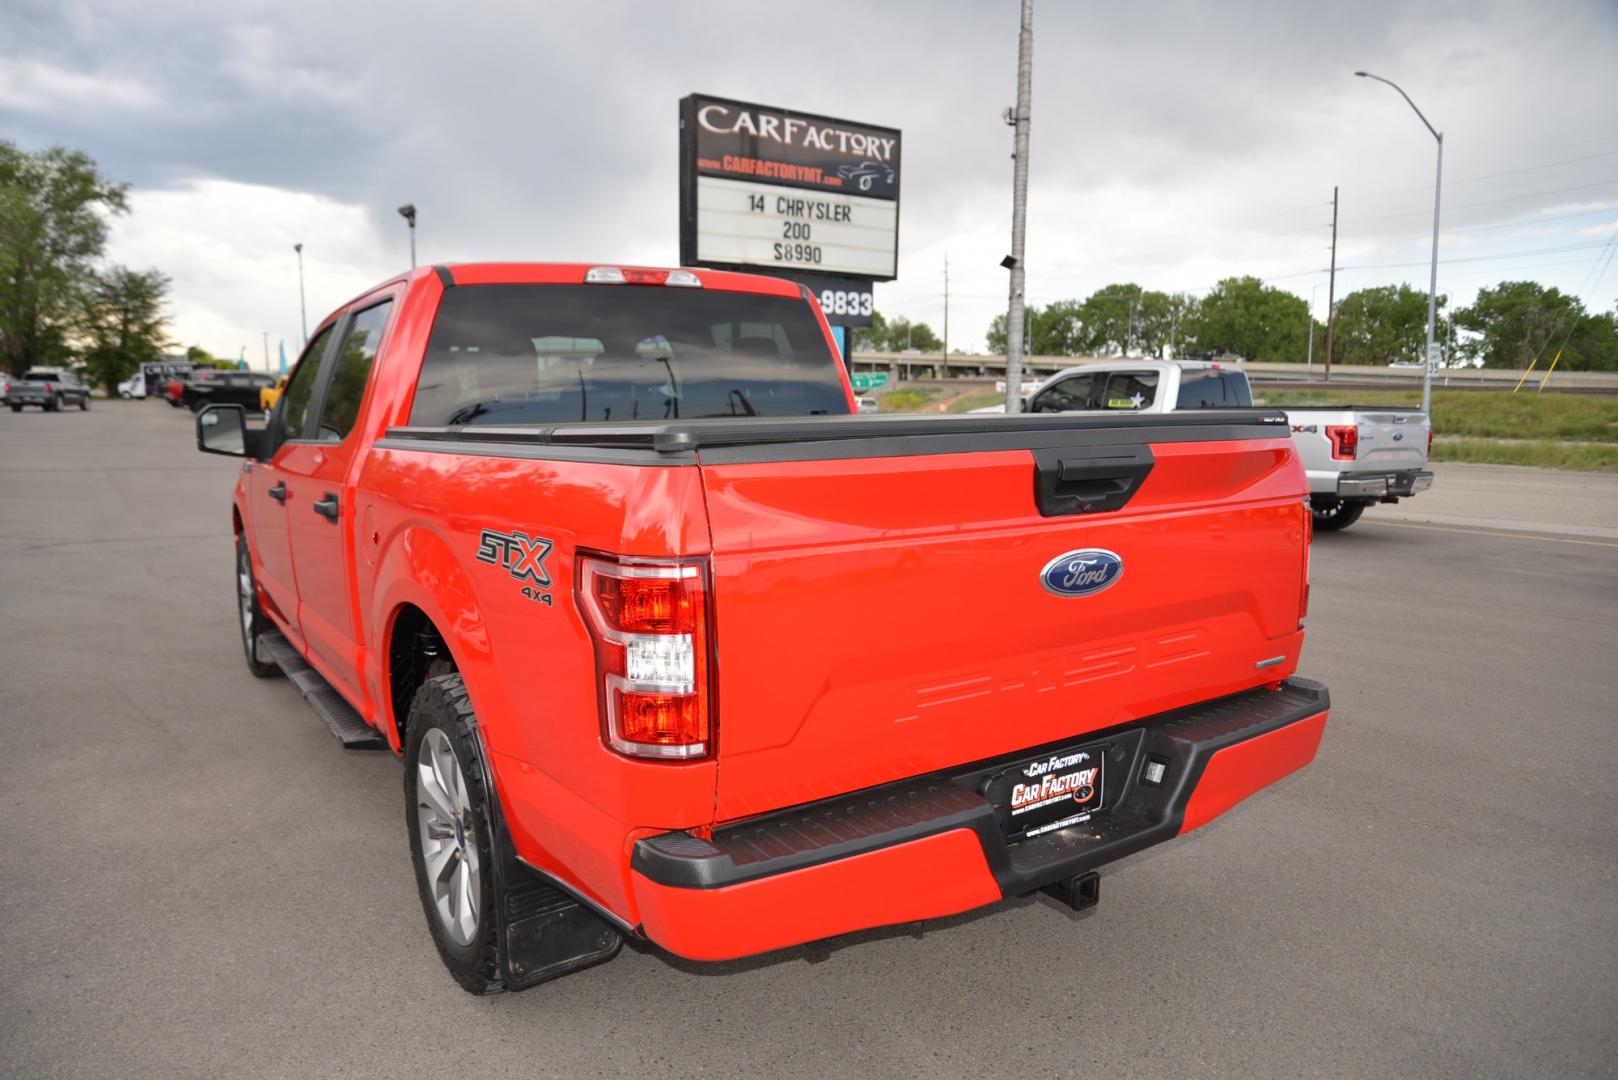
<point x="946" y="314"/>
<point x="1331" y="286"/>
<point x="1309" y="360"/>
<point x="1019" y="210"/>
<point x="303" y="310"/>
<point x="266" y="350"/>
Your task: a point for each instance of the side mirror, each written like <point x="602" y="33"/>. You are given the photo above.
<point x="222" y="429"/>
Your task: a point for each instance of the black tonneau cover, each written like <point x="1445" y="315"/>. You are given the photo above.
<point x="805" y="437"/>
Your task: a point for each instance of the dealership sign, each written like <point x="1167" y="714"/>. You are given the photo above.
<point x="788" y="193"/>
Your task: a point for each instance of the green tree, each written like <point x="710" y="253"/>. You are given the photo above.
<point x="1055" y="330"/>
<point x="123" y="324"/>
<point x="1382" y="324"/>
<point x="873" y="338"/>
<point x="1510" y="324"/>
<point x="1247" y="317"/>
<point x="54" y="207"/>
<point x="201" y="357"/>
<point x="896" y="335"/>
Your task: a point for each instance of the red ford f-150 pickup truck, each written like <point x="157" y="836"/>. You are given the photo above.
<point x="675" y="646"/>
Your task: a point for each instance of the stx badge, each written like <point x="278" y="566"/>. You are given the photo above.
<point x="523" y="558"/>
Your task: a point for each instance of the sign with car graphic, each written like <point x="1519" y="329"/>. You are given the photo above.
<point x="773" y="190"/>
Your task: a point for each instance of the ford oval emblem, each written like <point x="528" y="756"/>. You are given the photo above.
<point x="1081" y="573"/>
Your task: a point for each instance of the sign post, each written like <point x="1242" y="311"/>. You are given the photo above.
<point x="795" y="195"/>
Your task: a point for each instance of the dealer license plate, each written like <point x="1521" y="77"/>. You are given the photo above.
<point x="1049" y="792"/>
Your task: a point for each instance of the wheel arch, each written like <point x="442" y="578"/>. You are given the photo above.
<point x="424" y="594"/>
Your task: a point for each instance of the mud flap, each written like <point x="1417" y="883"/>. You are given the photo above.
<point x="545" y="932"/>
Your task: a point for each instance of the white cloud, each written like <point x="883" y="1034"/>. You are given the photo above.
<point x="34" y="86"/>
<point x="228" y="248"/>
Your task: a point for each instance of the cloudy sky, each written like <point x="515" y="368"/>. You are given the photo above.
<point x="1173" y="143"/>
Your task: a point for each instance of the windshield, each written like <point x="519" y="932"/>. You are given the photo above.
<point x="502" y="354"/>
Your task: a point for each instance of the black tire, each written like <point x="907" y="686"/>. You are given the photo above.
<point x="84" y="403"/>
<point x="16" y="408"/>
<point x="54" y="404"/>
<point x="442" y="706"/>
<point x="1339" y="516"/>
<point x="251" y="618"/>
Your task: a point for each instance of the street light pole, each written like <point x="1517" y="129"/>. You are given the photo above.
<point x="408" y="212"/>
<point x="303" y="309"/>
<point x="1019" y="210"/>
<point x="1432" y="283"/>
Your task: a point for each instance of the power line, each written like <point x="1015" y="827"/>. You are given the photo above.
<point x="1492" y="202"/>
<point x="1483" y="176"/>
<point x="1483" y="258"/>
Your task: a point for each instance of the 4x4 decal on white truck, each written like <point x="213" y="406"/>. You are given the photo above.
<point x="522" y="557"/>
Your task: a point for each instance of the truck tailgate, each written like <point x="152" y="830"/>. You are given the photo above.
<point x="880" y="613"/>
<point x="1391" y="440"/>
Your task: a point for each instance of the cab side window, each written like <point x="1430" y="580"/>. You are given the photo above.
<point x="1070" y="395"/>
<point x="300" y="389"/>
<point x="1130" y="390"/>
<point x="351" y="370"/>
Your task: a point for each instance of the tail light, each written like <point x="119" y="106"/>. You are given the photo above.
<point x="1308" y="543"/>
<point x="1345" y="441"/>
<point x="1429" y="440"/>
<point x="650" y="624"/>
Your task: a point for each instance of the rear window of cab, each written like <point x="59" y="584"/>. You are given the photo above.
<point x="505" y="354"/>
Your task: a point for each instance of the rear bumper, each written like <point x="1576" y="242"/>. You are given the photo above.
<point x="1382" y="485"/>
<point x="935" y="846"/>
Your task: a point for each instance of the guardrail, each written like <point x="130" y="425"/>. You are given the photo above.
<point x="988" y="366"/>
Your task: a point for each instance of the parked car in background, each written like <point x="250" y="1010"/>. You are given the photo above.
<point x="133" y="387"/>
<point x="174" y="386"/>
<point x="269" y="395"/>
<point x="50" y="388"/>
<point x="226" y="388"/>
<point x="868" y="404"/>
<point x="1353" y="455"/>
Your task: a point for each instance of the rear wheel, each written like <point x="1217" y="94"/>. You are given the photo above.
<point x="1338" y="516"/>
<point x="447" y="815"/>
<point x="84" y="403"/>
<point x="249" y="616"/>
<point x="15" y="407"/>
<point x="54" y="404"/>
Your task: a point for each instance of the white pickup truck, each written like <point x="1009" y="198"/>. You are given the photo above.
<point x="1354" y="455"/>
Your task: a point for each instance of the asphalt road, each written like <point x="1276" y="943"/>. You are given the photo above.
<point x="197" y="882"/>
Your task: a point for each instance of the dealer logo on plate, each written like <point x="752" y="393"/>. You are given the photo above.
<point x="1082" y="573"/>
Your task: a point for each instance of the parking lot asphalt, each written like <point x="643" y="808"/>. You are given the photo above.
<point x="197" y="882"/>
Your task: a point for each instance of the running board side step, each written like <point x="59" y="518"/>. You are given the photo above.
<point x="343" y="719"/>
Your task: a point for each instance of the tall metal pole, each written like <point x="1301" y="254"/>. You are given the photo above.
<point x="1432" y="291"/>
<point x="946" y="314"/>
<point x="303" y="310"/>
<point x="266" y="350"/>
<point x="1331" y="287"/>
<point x="1309" y="361"/>
<point x="1019" y="210"/>
<point x="1432" y="282"/>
